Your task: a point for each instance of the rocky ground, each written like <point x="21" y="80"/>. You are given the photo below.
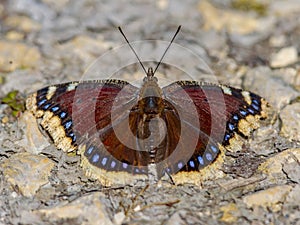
<point x="248" y="44"/>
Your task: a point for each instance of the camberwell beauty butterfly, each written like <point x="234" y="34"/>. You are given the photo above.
<point x="124" y="133"/>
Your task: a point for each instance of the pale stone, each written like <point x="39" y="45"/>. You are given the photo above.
<point x="271" y="197"/>
<point x="177" y="218"/>
<point x="284" y="8"/>
<point x="289" y="75"/>
<point x="34" y="141"/>
<point x="275" y="91"/>
<point x="27" y="172"/>
<point x="22" y="23"/>
<point x="278" y="41"/>
<point x="87" y="209"/>
<point x="14" y="55"/>
<point x="286" y="56"/>
<point x="59" y="5"/>
<point x="14" y="36"/>
<point x="229" y="213"/>
<point x="290" y="117"/>
<point x="294" y="195"/>
<point x="232" y="21"/>
<point x="162" y="4"/>
<point x="85" y="48"/>
<point x="274" y="165"/>
<point x="292" y="170"/>
<point x="119" y="218"/>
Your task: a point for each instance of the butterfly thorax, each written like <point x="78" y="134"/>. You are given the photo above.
<point x="150" y="97"/>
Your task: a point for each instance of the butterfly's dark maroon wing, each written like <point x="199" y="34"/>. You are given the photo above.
<point x="86" y="116"/>
<point x="224" y="114"/>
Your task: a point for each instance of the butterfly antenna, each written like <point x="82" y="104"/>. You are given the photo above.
<point x="178" y="29"/>
<point x="133" y="50"/>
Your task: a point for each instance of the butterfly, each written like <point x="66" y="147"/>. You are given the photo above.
<point x="124" y="133"/>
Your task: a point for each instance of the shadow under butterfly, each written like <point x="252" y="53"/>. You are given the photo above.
<point x="125" y="134"/>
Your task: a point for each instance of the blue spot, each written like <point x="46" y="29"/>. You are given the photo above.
<point x="90" y="149"/>
<point x="244" y="113"/>
<point x="46" y="106"/>
<point x="200" y="160"/>
<point x="54" y="108"/>
<point x="227" y="137"/>
<point x="255" y="101"/>
<point x="168" y="170"/>
<point x="137" y="170"/>
<point x="41" y="102"/>
<point x="68" y="124"/>
<point x="180" y="165"/>
<point x="124" y="165"/>
<point x="73" y="136"/>
<point x="113" y="164"/>
<point x="251" y="111"/>
<point x="95" y="158"/>
<point x="208" y="156"/>
<point x="235" y="117"/>
<point x="230" y="126"/>
<point x="104" y="161"/>
<point x="214" y="148"/>
<point x="255" y="107"/>
<point x="62" y="114"/>
<point x="192" y="164"/>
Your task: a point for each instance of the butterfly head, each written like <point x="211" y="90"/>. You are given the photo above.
<point x="150" y="76"/>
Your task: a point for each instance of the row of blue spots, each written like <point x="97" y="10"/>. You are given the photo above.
<point x="137" y="170"/>
<point x="105" y="160"/>
<point x="55" y="108"/>
<point x="192" y="164"/>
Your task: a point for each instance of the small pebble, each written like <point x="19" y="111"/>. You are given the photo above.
<point x="286" y="56"/>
